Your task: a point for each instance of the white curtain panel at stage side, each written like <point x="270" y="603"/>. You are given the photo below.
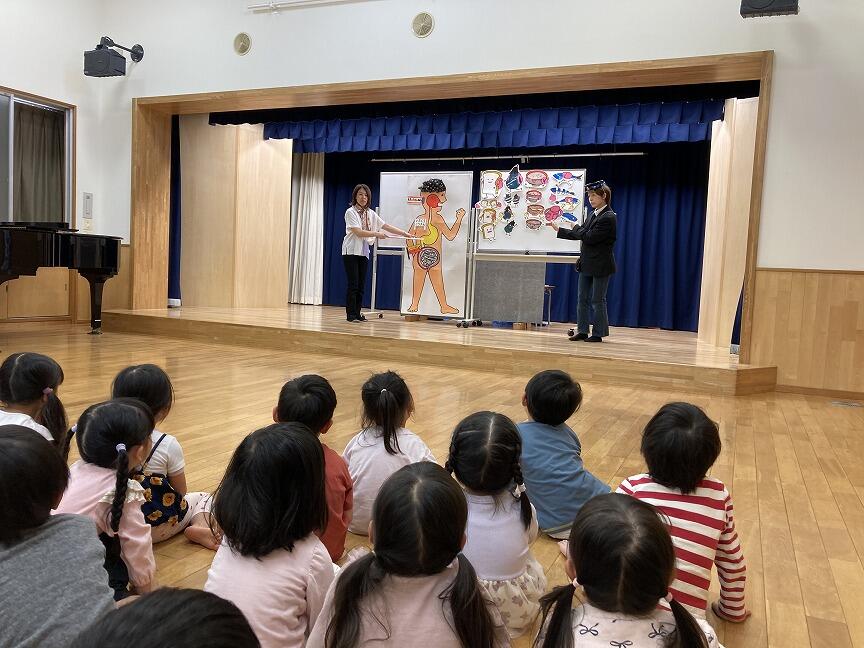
<point x="306" y="269"/>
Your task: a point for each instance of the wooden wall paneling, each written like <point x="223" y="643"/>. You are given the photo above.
<point x="208" y="204"/>
<point x="4" y="301"/>
<point x="45" y="295"/>
<point x="715" y="224"/>
<point x="117" y="292"/>
<point x="262" y="219"/>
<point x="765" y="81"/>
<point x="811" y="325"/>
<point x="151" y="179"/>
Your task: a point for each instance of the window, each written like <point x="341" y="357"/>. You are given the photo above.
<point x="35" y="160"/>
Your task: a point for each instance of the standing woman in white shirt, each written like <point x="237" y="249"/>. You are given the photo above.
<point x="362" y="227"/>
<point x="28" y="397"/>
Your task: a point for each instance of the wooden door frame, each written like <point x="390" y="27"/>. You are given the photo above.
<point x="151" y="136"/>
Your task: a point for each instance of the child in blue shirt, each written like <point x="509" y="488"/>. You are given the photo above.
<point x="552" y="467"/>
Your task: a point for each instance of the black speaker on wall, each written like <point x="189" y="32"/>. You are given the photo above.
<point x="756" y="8"/>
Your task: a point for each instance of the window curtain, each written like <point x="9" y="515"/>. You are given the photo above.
<point x="306" y="270"/>
<point x="38" y="167"/>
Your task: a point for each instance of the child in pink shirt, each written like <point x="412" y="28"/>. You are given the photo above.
<point x="416" y="588"/>
<point x="310" y="400"/>
<point x="270" y="504"/>
<point x="113" y="437"/>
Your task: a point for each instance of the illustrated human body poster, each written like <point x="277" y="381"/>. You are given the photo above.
<point x="515" y="206"/>
<point x="435" y="267"/>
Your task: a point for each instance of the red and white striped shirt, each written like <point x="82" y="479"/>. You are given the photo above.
<point x="703" y="531"/>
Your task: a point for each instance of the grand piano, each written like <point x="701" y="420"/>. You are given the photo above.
<point x="25" y="247"/>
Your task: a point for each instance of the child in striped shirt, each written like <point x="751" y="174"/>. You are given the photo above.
<point x="680" y="444"/>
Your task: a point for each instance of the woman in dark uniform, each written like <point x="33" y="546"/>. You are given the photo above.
<point x="596" y="263"/>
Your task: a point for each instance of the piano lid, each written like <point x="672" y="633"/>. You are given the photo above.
<point x="49" y="226"/>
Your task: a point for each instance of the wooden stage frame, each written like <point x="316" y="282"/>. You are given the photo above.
<point x="151" y="136"/>
<point x="669" y="360"/>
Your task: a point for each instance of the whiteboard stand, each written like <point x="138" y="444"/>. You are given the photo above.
<point x="471" y="251"/>
<point x="375" y="253"/>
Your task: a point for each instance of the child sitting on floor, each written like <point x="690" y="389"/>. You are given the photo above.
<point x="620" y="561"/>
<point x="310" y="400"/>
<point x="680" y="444"/>
<point x="555" y="476"/>
<point x="383" y="446"/>
<point x="170" y="508"/>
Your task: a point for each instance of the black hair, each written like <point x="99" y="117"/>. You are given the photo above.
<point x="433" y="185"/>
<point x="272" y="494"/>
<point x="552" y="397"/>
<point x="418" y="523"/>
<point x="149" y="384"/>
<point x="106" y="433"/>
<point x="26" y="378"/>
<point x="680" y="444"/>
<point x="624" y="560"/>
<point x="356" y="190"/>
<point x="172" y="618"/>
<point x="33" y="476"/>
<point x="485" y="451"/>
<point x="309" y="400"/>
<point x="387" y="403"/>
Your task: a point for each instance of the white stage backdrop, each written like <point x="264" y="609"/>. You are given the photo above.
<point x="435" y="268"/>
<point x="515" y="206"/>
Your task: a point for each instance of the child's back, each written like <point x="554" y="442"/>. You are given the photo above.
<point x="51" y="576"/>
<point x="555" y="476"/>
<point x="680" y="444"/>
<point x="383" y="446"/>
<point x="311" y="400"/>
<point x="271" y="564"/>
<point x="415" y="589"/>
<point x="484" y="457"/>
<point x="620" y="560"/>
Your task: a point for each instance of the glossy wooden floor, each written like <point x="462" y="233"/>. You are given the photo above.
<point x="792" y="463"/>
<point x="637" y="356"/>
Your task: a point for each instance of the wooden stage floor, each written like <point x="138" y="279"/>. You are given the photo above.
<point x="647" y="357"/>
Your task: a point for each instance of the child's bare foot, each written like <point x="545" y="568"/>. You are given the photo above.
<point x="447" y="309"/>
<point x="564" y="548"/>
<point x="202" y="535"/>
<point x="715" y="608"/>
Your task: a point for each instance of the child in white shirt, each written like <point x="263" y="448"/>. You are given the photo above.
<point x="383" y="446"/>
<point x="170" y="508"/>
<point x="484" y="455"/>
<point x="28" y="393"/>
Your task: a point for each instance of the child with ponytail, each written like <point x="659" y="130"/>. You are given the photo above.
<point x="114" y="437"/>
<point x="621" y="562"/>
<point x="484" y="456"/>
<point x="416" y="588"/>
<point x="383" y="446"/>
<point x="28" y="393"/>
<point x="170" y="507"/>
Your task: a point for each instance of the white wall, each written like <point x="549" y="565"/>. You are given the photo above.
<point x="42" y="52"/>
<point x="815" y="139"/>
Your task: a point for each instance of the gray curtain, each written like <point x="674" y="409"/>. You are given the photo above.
<point x="38" y="164"/>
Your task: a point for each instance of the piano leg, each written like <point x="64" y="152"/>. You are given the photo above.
<point x="97" y="282"/>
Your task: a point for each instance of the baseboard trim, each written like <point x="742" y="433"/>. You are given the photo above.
<point x="815" y="391"/>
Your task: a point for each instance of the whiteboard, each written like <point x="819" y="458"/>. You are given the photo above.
<point x="435" y="265"/>
<point x="399" y="197"/>
<point x="516" y="204"/>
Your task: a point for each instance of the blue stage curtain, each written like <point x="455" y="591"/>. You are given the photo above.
<point x="174" y="213"/>
<point x="660" y="199"/>
<point x="637" y="123"/>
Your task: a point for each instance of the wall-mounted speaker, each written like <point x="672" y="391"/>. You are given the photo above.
<point x="756" y="8"/>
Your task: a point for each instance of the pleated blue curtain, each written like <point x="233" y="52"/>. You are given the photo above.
<point x="638" y="123"/>
<point x="660" y="200"/>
